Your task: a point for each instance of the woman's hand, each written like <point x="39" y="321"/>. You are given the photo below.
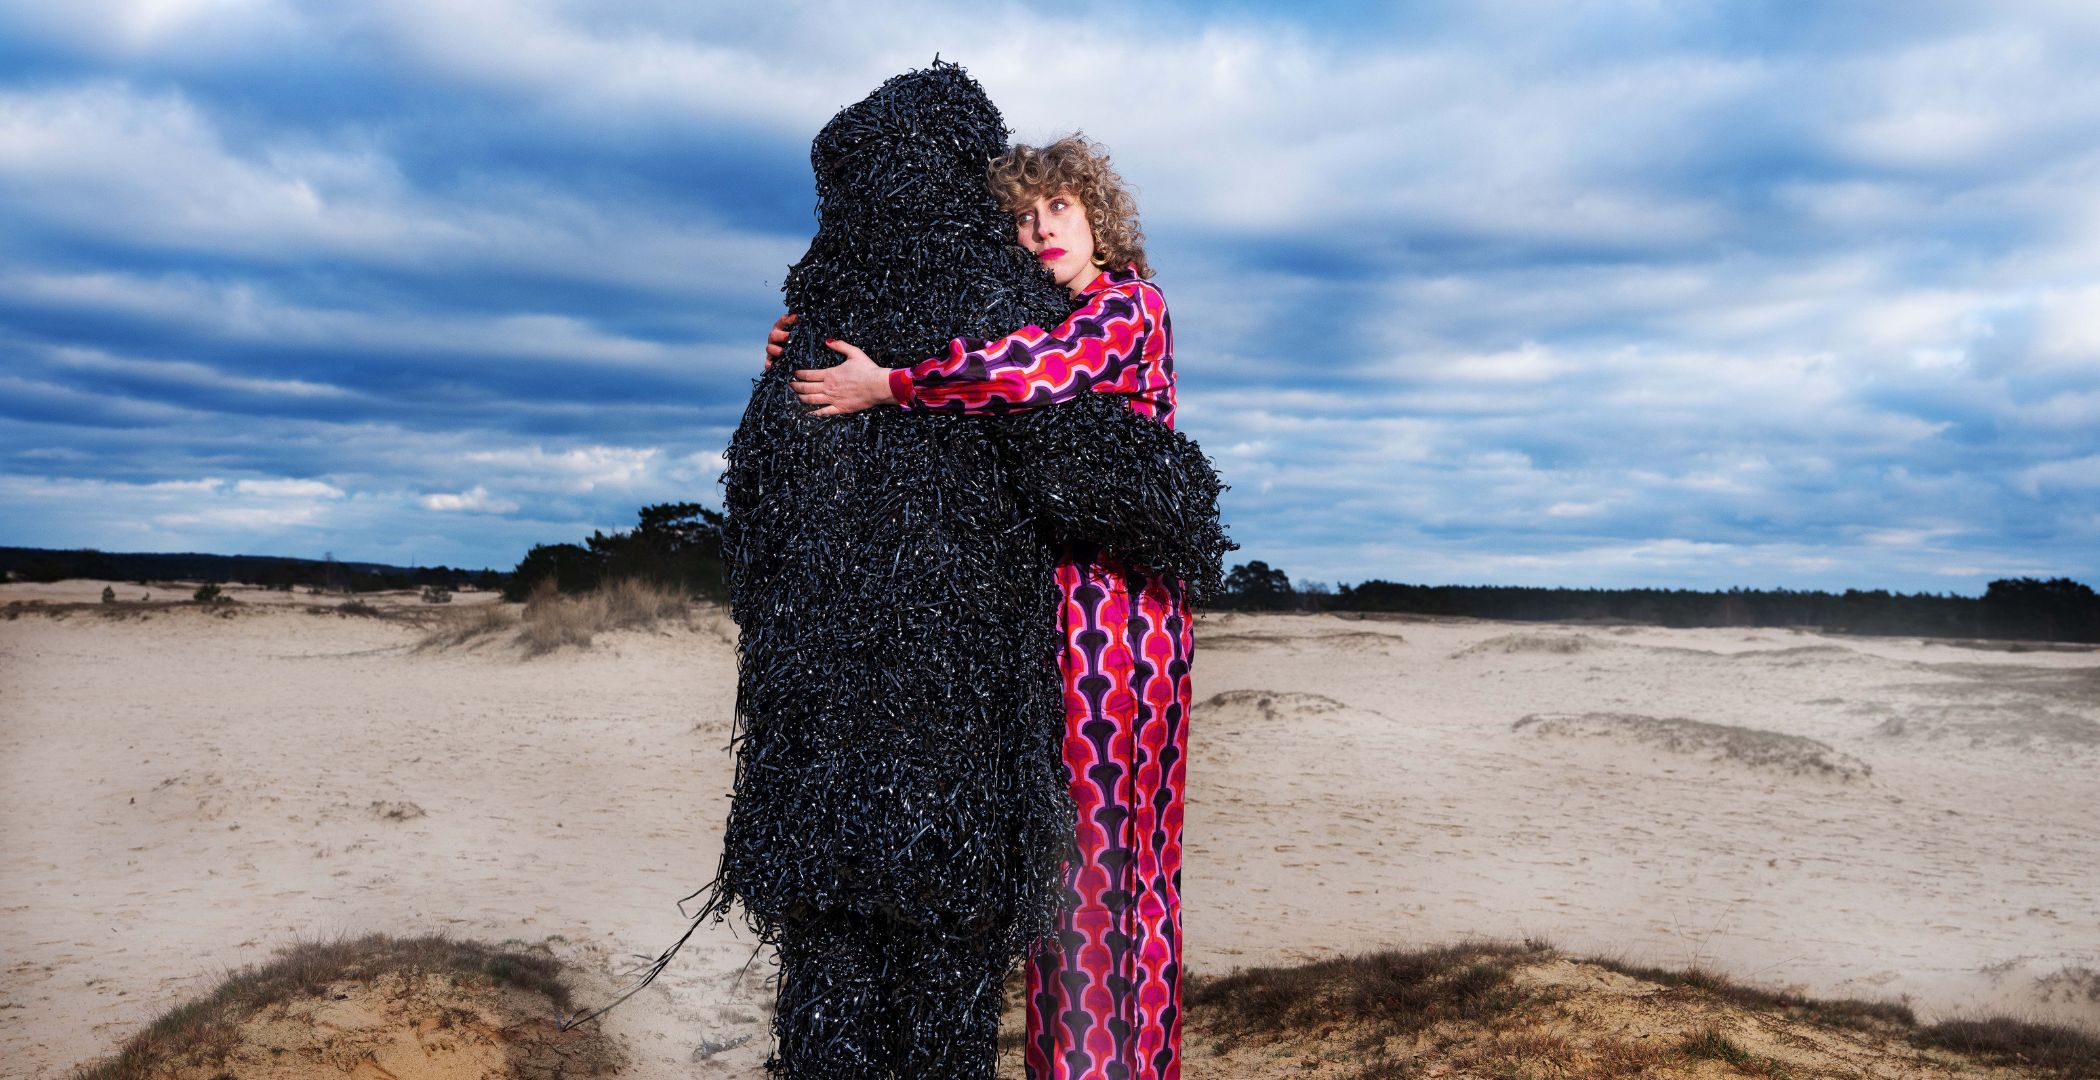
<point x="855" y="384"/>
<point x="776" y="340"/>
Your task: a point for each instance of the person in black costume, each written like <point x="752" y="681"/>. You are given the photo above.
<point x="900" y="817"/>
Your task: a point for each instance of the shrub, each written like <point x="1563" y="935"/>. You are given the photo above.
<point x="109" y="595"/>
<point x="436" y="594"/>
<point x="207" y="593"/>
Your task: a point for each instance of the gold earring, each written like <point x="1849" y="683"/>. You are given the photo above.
<point x="1100" y="259"/>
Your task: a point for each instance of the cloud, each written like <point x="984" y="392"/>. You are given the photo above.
<point x="560" y="57"/>
<point x="2060" y="477"/>
<point x="276" y="516"/>
<point x="285" y="488"/>
<point x="243" y="311"/>
<point x="135" y="28"/>
<point x="583" y="468"/>
<point x="1624" y="293"/>
<point x="259" y="507"/>
<point x="187" y="374"/>
<point x="73" y="156"/>
<point x="475" y="500"/>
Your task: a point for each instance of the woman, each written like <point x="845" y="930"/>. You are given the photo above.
<point x="1109" y="993"/>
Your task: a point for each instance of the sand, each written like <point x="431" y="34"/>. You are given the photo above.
<point x="182" y="790"/>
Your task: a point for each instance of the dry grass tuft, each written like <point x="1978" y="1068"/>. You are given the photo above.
<point x="1712" y="1043"/>
<point x="550" y="619"/>
<point x="1615" y="1057"/>
<point x="363" y="610"/>
<point x="2002" y="1040"/>
<point x="1529" y="1012"/>
<point x="206" y="1030"/>
<point x="1851" y="1013"/>
<point x="1380" y="997"/>
<point x="553" y="620"/>
<point x="465" y="625"/>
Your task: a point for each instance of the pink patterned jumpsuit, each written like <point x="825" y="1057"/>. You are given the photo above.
<point x="1105" y="1004"/>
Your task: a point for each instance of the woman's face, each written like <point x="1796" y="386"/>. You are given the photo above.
<point x="1055" y="228"/>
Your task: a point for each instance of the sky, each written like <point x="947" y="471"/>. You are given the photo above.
<point x="1684" y="295"/>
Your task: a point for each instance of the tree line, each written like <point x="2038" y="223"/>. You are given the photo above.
<point x="268" y="571"/>
<point x="679" y="545"/>
<point x="2058" y="609"/>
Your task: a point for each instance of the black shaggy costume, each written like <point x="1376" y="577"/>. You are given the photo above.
<point x="901" y="814"/>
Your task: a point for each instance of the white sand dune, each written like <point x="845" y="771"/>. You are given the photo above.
<point x="180" y="791"/>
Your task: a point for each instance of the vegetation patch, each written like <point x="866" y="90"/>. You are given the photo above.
<point x="428" y="1004"/>
<point x="1374" y="999"/>
<point x="2002" y="1040"/>
<point x="550" y="619"/>
<point x="1840" y="1012"/>
<point x="1528" y="1012"/>
<point x="467" y="625"/>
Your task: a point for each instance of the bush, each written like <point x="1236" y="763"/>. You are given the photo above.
<point x="436" y="594"/>
<point x="109" y="595"/>
<point x="207" y="593"/>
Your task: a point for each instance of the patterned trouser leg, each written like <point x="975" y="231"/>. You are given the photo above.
<point x="1105" y="1003"/>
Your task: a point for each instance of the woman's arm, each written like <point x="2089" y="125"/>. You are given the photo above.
<point x="1102" y="342"/>
<point x="1107" y="341"/>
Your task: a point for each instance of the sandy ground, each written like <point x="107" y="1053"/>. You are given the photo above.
<point x="1870" y="817"/>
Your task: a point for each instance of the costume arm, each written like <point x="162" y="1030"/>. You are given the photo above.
<point x="1030" y="367"/>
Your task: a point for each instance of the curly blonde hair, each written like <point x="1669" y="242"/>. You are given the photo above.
<point x="1077" y="166"/>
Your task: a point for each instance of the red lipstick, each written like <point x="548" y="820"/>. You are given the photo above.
<point x="1051" y="253"/>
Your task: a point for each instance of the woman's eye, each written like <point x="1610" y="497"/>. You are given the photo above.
<point x="1057" y="204"/>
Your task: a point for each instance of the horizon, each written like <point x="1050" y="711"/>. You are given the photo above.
<point x="1639" y="297"/>
<point x="1296" y="584"/>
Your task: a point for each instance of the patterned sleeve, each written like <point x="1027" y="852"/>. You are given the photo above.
<point x="1103" y="342"/>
